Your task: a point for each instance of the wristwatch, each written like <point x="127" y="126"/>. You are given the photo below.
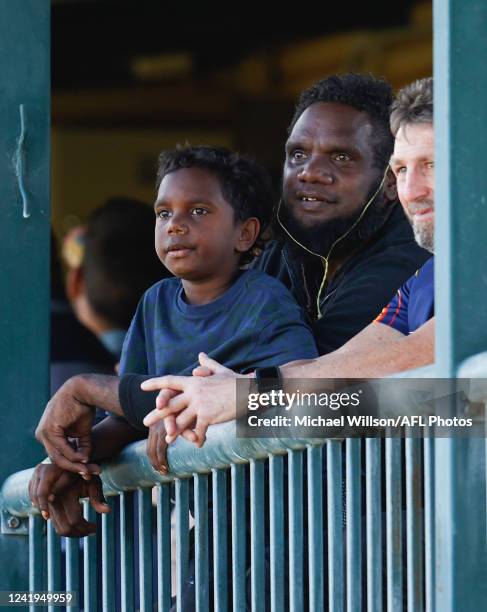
<point x="268" y="379"/>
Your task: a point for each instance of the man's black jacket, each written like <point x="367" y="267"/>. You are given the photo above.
<point x="360" y="289"/>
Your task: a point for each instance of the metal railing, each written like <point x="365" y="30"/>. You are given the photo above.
<point x="278" y="524"/>
<point x="315" y="512"/>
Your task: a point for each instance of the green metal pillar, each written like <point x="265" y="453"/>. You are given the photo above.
<point x="24" y="248"/>
<point x="460" y="56"/>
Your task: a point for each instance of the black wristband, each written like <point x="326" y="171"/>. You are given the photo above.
<point x="135" y="403"/>
<point x="268" y="379"/>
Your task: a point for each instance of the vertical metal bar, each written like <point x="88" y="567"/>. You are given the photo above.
<point x="295" y="493"/>
<point x="182" y="539"/>
<point x="457" y="543"/>
<point x="336" y="582"/>
<point x="53" y="562"/>
<point x="220" y="561"/>
<point x="35" y="554"/>
<point x="414" y="531"/>
<point x="354" y="525"/>
<point x="238" y="538"/>
<point x="201" y="542"/>
<point x="394" y="524"/>
<point x="276" y="536"/>
<point x="72" y="565"/>
<point x="257" y="526"/>
<point x="24" y="254"/>
<point x="24" y="245"/>
<point x="108" y="558"/>
<point x="444" y="540"/>
<point x="373" y="524"/>
<point x="145" y="549"/>
<point x="429" y="522"/>
<point x="315" y="528"/>
<point x="90" y="567"/>
<point x="127" y="551"/>
<point x="164" y="547"/>
<point x="460" y="95"/>
<point x="460" y="116"/>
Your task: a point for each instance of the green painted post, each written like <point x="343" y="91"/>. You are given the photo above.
<point x="460" y="55"/>
<point x="24" y="248"/>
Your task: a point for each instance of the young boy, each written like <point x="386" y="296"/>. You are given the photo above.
<point x="211" y="209"/>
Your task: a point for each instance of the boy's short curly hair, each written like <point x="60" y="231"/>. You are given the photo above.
<point x="245" y="185"/>
<point x="413" y="104"/>
<point x="364" y="92"/>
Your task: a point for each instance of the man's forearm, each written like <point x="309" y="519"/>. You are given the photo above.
<point x="413" y="351"/>
<point x="98" y="390"/>
<point x="112" y="435"/>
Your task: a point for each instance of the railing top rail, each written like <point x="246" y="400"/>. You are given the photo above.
<point x="132" y="469"/>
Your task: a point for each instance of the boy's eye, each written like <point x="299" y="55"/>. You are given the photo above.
<point x="163" y="214"/>
<point x="341" y="157"/>
<point x="199" y="211"/>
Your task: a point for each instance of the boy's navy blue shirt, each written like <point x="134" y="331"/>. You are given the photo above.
<point x="414" y="303"/>
<point x="255" y="323"/>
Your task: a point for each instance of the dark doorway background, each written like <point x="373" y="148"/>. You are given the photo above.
<point x="130" y="78"/>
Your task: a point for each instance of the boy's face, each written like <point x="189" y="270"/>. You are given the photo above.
<point x="196" y="235"/>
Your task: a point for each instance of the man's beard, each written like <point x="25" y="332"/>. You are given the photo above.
<point x="424" y="235"/>
<point x="424" y="231"/>
<point x="320" y="238"/>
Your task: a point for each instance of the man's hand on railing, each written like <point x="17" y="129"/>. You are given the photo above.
<point x="56" y="493"/>
<point x="65" y="416"/>
<point x="157" y="447"/>
<point x="70" y="413"/>
<point x="202" y="400"/>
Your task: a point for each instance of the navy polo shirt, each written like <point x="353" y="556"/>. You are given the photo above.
<point x="414" y="302"/>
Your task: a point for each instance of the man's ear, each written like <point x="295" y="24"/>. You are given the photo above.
<point x="249" y="230"/>
<point x="390" y="188"/>
<point x="75" y="284"/>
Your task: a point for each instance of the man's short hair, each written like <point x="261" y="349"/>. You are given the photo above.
<point x="120" y="261"/>
<point x="364" y="92"/>
<point x="413" y="104"/>
<point x="244" y="184"/>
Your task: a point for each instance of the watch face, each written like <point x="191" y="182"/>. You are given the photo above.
<point x="268" y="379"/>
<point x="268" y="372"/>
